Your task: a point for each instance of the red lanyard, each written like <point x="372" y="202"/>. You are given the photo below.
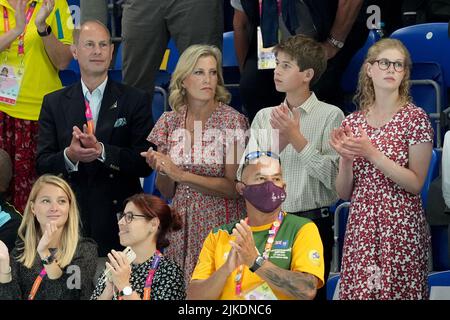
<point x="29" y="14"/>
<point x="36" y="284"/>
<point x="89" y="117"/>
<point x="151" y="273"/>
<point x="269" y="243"/>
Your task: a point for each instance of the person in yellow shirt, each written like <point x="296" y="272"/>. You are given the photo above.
<point x="269" y="255"/>
<point x="35" y="39"/>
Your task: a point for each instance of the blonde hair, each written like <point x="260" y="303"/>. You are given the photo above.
<point x="186" y="64"/>
<point x="30" y="231"/>
<point x="365" y="93"/>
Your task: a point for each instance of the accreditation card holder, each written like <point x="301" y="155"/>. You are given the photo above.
<point x="10" y="82"/>
<point x="260" y="292"/>
<point x="266" y="58"/>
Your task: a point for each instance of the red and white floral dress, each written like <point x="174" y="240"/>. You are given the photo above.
<point x="200" y="212"/>
<point x="385" y="253"/>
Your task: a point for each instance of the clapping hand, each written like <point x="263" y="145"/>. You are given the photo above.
<point x="44" y="12"/>
<point x="338" y="139"/>
<point x="20" y="16"/>
<point x="120" y="269"/>
<point x="84" y="147"/>
<point x="244" y="244"/>
<point x="287" y="127"/>
<point x="163" y="164"/>
<point x="360" y="146"/>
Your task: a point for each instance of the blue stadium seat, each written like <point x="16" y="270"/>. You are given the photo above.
<point x="427" y="42"/>
<point x="229" y="53"/>
<point x="73" y="2"/>
<point x="433" y="173"/>
<point x="71" y="74"/>
<point x="340" y="224"/>
<point x="439" y="285"/>
<point x="150" y="183"/>
<point x="333" y="287"/>
<point x="349" y="80"/>
<point x="428" y="92"/>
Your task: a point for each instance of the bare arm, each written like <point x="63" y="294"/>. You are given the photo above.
<point x="241" y="37"/>
<point x="411" y="178"/>
<point x="209" y="289"/>
<point x="8" y="37"/>
<point x="165" y="185"/>
<point x="58" y="52"/>
<point x="299" y="285"/>
<point x="344" y="180"/>
<point x="346" y="14"/>
<point x="216" y="186"/>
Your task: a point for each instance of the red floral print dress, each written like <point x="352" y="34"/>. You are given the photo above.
<point x="200" y="212"/>
<point x="385" y="253"/>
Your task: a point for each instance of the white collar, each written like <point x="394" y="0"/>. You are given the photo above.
<point x="101" y="87"/>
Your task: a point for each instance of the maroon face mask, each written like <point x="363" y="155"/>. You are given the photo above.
<point x="265" y="197"/>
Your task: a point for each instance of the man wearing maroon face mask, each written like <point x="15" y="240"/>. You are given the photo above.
<point x="270" y="254"/>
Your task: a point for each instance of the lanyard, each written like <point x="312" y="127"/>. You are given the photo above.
<point x="151" y="273"/>
<point x="36" y="284"/>
<point x="89" y="117"/>
<point x="29" y="14"/>
<point x="269" y="243"/>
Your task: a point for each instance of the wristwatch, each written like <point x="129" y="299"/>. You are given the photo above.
<point x="126" y="291"/>
<point x="50" y="258"/>
<point x="257" y="264"/>
<point x="335" y="43"/>
<point x="46" y="32"/>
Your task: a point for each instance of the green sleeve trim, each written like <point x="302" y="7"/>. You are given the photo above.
<point x="59" y="24"/>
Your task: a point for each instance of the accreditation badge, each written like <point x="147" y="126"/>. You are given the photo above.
<point x="266" y="58"/>
<point x="261" y="292"/>
<point x="10" y="81"/>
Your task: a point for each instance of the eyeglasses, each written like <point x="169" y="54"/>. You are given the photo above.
<point x="385" y="64"/>
<point x="129" y="216"/>
<point x="258" y="154"/>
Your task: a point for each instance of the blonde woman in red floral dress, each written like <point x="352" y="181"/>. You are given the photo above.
<point x="199" y="144"/>
<point x="385" y="150"/>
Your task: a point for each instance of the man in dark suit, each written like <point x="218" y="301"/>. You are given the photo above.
<point x="92" y="133"/>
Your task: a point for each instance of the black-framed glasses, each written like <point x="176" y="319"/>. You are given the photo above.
<point x="384" y="64"/>
<point x="258" y="154"/>
<point x="129" y="216"/>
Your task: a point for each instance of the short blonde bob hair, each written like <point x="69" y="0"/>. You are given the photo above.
<point x="186" y="64"/>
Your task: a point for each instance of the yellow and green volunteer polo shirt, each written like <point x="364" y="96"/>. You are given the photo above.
<point x="297" y="247"/>
<point x="40" y="76"/>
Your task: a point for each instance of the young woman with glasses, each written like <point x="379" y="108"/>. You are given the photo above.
<point x="385" y="149"/>
<point x="143" y="226"/>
